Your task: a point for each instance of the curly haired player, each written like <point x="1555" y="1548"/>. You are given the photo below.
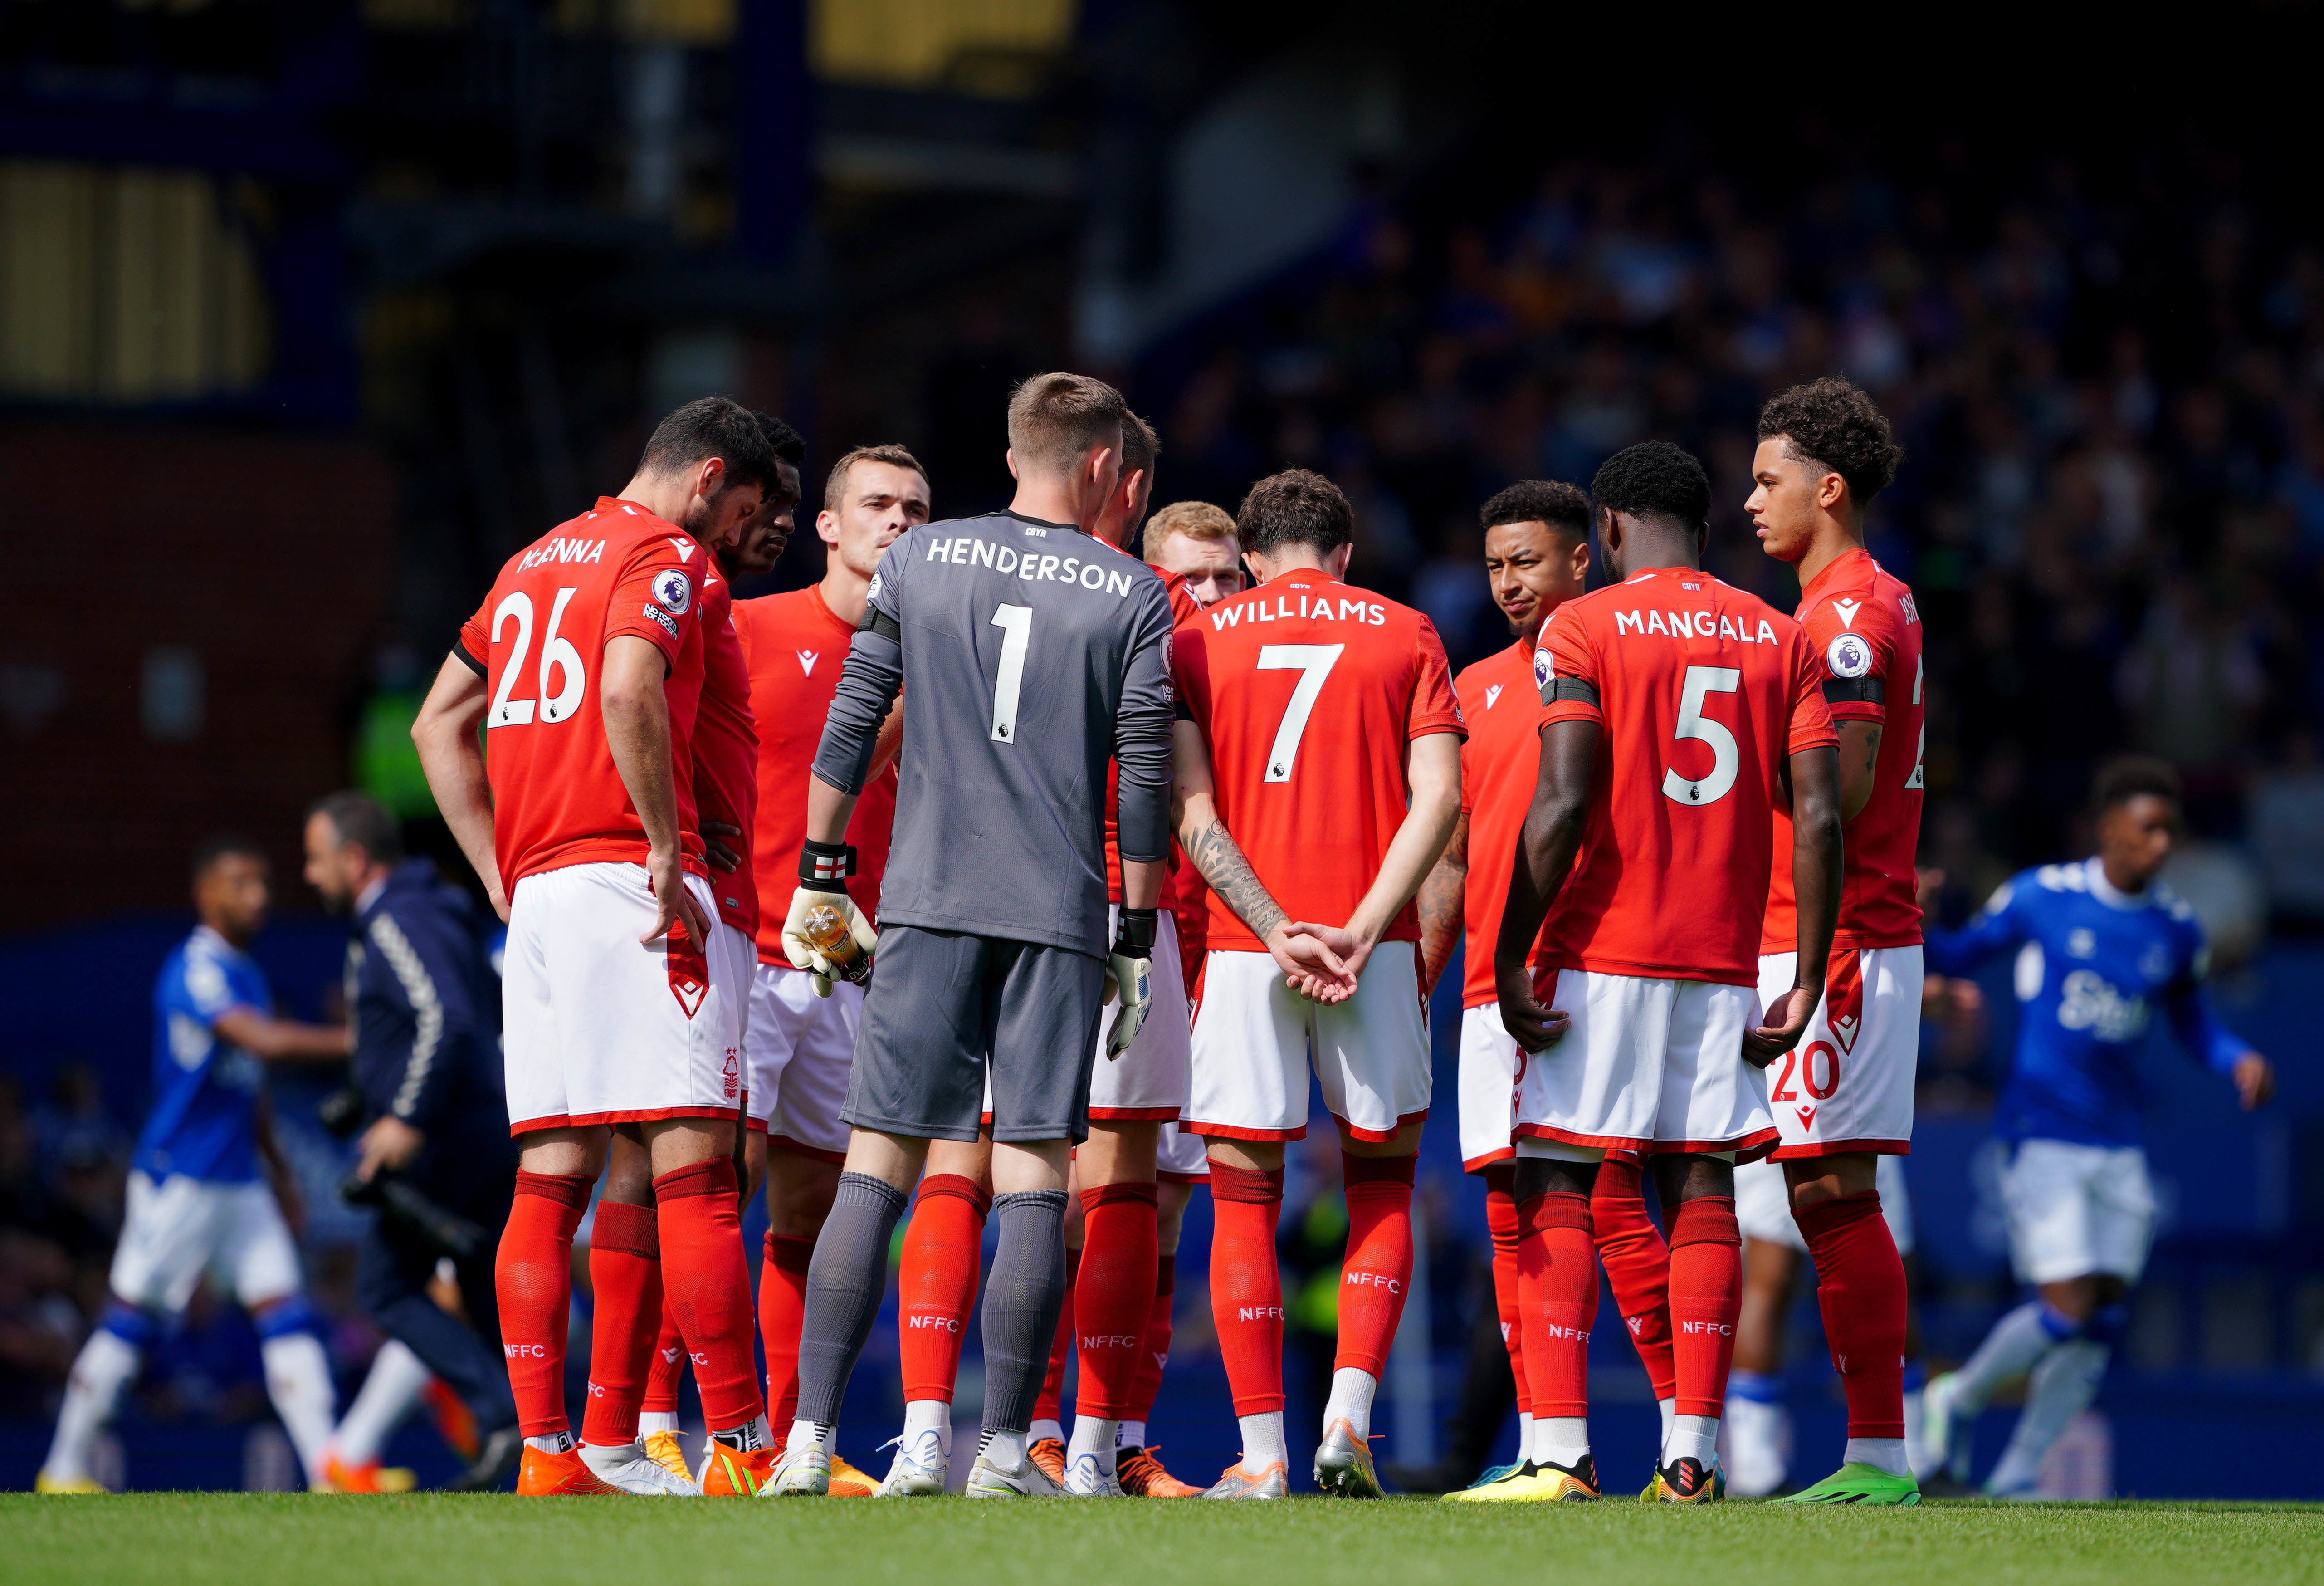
<point x="1844" y="1097"/>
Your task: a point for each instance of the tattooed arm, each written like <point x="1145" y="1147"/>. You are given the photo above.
<point x="1308" y="965"/>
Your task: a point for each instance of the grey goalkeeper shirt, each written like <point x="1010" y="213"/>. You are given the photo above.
<point x="1031" y="653"/>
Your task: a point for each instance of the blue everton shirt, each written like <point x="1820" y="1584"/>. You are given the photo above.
<point x="2092" y="964"/>
<point x="205" y="1090"/>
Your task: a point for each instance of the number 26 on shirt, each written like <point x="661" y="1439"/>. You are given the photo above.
<point x="558" y="659"/>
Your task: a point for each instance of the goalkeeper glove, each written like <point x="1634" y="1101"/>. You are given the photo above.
<point x="1128" y="975"/>
<point x="825" y="933"/>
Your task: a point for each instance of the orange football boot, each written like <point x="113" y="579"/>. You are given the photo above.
<point x="1049" y="1453"/>
<point x="847" y="1481"/>
<point x="1142" y="1476"/>
<point x="341" y="1477"/>
<point x="558" y="1475"/>
<point x="735" y="1473"/>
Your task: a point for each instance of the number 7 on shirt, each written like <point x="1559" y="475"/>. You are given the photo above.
<point x="1314" y="663"/>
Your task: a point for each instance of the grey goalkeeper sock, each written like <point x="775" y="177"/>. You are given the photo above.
<point x="844" y="1280"/>
<point x="1022" y="1302"/>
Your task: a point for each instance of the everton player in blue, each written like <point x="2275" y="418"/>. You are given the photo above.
<point x="2100" y="946"/>
<point x="196" y="1200"/>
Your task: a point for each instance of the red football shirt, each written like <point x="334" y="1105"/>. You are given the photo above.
<point x="1499" y="765"/>
<point x="538" y="641"/>
<point x="1307" y="691"/>
<point x="794" y="647"/>
<point x="1183" y="605"/>
<point x="1867" y="633"/>
<point x="1703" y="693"/>
<point x="726" y="752"/>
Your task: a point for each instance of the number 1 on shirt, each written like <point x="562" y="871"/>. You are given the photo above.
<point x="1314" y="663"/>
<point x="1015" y="625"/>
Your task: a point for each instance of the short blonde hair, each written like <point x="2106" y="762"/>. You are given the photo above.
<point x="1196" y="519"/>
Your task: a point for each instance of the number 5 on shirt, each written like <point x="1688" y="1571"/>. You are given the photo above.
<point x="1725" y="759"/>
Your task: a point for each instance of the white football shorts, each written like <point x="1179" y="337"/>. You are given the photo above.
<point x="2075" y="1210"/>
<point x="1254" y="1038"/>
<point x="1763" y="1204"/>
<point x="1648" y="1065"/>
<point x="175" y="1230"/>
<point x="1181" y="1157"/>
<point x="600" y="1027"/>
<point x="1490" y="1063"/>
<point x="1847" y="1085"/>
<point x="800" y="1048"/>
<point x="1150" y="1082"/>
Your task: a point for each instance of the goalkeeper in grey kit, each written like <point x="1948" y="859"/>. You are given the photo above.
<point x="1032" y="652"/>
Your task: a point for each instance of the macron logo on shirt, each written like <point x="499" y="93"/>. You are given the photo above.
<point x="1847" y="610"/>
<point x="806" y="659"/>
<point x="1493" y="692"/>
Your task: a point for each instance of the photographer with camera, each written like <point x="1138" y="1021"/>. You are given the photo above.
<point x="434" y="1158"/>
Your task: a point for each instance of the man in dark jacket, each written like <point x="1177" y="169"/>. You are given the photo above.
<point x="426" y="1060"/>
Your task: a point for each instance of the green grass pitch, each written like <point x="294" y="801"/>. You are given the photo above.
<point x="435" y="1540"/>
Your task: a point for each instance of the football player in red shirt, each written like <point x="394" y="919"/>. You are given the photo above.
<point x="1192" y="545"/>
<point x="1844" y="1098"/>
<point x="802" y="1036"/>
<point x="1196" y="540"/>
<point x="1321" y="728"/>
<point x="1536" y="558"/>
<point x="1678" y="715"/>
<point x="586" y="834"/>
<point x="727" y="759"/>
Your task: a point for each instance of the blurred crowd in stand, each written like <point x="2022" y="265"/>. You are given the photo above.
<point x="2112" y="507"/>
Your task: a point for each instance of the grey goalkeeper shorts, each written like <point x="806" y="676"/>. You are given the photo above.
<point x="943" y="1005"/>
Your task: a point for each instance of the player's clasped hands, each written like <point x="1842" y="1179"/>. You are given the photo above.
<point x="1316" y="960"/>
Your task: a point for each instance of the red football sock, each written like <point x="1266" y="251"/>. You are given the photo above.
<point x="1154" y="1352"/>
<point x="1557" y="1291"/>
<point x="1121" y="1248"/>
<point x="782" y="1310"/>
<point x="1860" y="1289"/>
<point x="1376" y="1273"/>
<point x="668" y="1366"/>
<point x="1501" y="1217"/>
<point x="1246" y="1288"/>
<point x="709" y="1289"/>
<point x="533" y="1275"/>
<point x="1049" y="1406"/>
<point x="1706" y="1296"/>
<point x="625" y="1285"/>
<point x="936" y="1284"/>
<point x="1638" y="1266"/>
